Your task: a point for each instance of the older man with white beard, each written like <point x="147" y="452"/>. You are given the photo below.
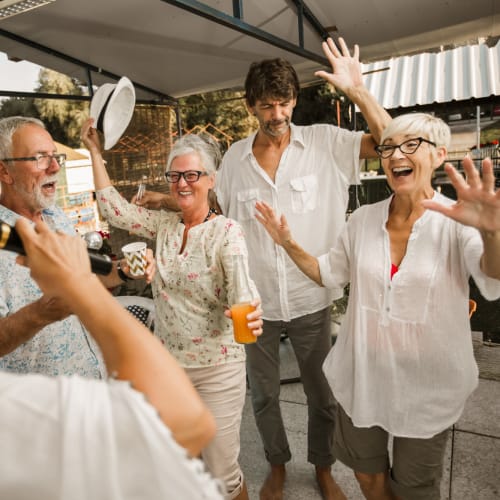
<point x="38" y="334"/>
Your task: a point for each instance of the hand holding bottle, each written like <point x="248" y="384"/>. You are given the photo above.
<point x="245" y="311"/>
<point x="10" y="240"/>
<point x="251" y="320"/>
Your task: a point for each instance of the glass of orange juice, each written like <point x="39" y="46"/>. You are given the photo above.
<point x="242" y="334"/>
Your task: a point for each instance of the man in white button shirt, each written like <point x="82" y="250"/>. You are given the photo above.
<point x="304" y="173"/>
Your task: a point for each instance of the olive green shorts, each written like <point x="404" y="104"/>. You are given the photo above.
<point x="417" y="464"/>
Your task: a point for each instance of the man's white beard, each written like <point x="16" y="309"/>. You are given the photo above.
<point x="36" y="198"/>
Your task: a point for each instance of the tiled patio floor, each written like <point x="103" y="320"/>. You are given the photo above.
<point x="472" y="468"/>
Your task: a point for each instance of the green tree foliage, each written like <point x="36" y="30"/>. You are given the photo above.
<point x="225" y="109"/>
<point x="315" y="104"/>
<point x="491" y="132"/>
<point x="62" y="117"/>
<point x="18" y="106"/>
<point x="319" y="104"/>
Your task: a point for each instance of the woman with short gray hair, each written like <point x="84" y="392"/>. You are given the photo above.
<point x="193" y="286"/>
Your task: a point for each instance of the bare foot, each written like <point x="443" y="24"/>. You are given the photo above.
<point x="272" y="489"/>
<point x="330" y="490"/>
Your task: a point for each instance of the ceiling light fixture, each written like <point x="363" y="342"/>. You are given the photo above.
<point x="12" y="7"/>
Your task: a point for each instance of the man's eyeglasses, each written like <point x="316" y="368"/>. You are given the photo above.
<point x="42" y="161"/>
<point x="173" y="176"/>
<point x="407" y="147"/>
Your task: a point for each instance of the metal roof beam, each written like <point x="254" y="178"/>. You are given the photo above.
<point x="69" y="97"/>
<point x="311" y="18"/>
<point x="82" y="64"/>
<point x="237" y="24"/>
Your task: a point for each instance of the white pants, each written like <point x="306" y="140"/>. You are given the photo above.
<point x="223" y="388"/>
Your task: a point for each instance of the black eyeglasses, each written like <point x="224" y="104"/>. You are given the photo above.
<point x="42" y="161"/>
<point x="407" y="147"/>
<point x="190" y="176"/>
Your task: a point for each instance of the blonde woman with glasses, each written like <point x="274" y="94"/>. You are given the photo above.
<point x="403" y="363"/>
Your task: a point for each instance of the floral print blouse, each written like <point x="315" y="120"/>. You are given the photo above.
<point x="190" y="288"/>
<point x="61" y="348"/>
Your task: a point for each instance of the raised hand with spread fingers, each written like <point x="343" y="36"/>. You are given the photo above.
<point x="478" y="205"/>
<point x="278" y="229"/>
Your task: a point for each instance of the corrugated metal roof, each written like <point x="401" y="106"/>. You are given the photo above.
<point x="457" y="74"/>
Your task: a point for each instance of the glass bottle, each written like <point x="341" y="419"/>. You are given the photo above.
<point x="141" y="188"/>
<point x="242" y="302"/>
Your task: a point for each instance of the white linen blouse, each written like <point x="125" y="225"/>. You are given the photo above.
<point x="74" y="438"/>
<point x="403" y="359"/>
<point x="192" y="287"/>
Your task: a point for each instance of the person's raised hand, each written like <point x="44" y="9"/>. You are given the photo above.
<point x="346" y="69"/>
<point x="277" y="227"/>
<point x="478" y="205"/>
<point x="152" y="200"/>
<point x="90" y="136"/>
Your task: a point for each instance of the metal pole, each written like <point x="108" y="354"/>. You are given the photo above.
<point x="178" y="120"/>
<point x="478" y="127"/>
<point x="300" y="21"/>
<point x="238" y="9"/>
<point x="89" y="83"/>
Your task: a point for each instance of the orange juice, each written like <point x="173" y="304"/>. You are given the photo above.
<point x="242" y="334"/>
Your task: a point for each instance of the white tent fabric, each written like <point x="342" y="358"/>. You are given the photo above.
<point x="164" y="47"/>
<point x="452" y="75"/>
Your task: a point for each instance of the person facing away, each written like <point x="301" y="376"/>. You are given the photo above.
<point x="37" y="333"/>
<point x="403" y="363"/>
<point x="132" y="436"/>
<point x="304" y="172"/>
<point x="194" y="285"/>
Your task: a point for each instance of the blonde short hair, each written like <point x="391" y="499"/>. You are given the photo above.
<point x="419" y="125"/>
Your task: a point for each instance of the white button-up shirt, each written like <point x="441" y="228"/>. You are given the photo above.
<point x="311" y="190"/>
<point x="403" y="359"/>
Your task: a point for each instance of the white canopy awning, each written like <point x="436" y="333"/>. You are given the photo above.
<point x="458" y="74"/>
<point x="181" y="47"/>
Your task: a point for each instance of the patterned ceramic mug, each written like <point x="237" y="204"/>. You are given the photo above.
<point x="135" y="253"/>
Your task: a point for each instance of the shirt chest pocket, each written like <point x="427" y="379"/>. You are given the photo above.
<point x="246" y="204"/>
<point x="304" y="192"/>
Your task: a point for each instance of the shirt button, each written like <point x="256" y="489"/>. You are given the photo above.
<point x="387" y="309"/>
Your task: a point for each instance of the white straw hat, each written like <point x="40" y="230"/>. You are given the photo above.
<point x="112" y="107"/>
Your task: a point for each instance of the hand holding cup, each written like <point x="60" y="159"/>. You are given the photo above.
<point x="135" y="255"/>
